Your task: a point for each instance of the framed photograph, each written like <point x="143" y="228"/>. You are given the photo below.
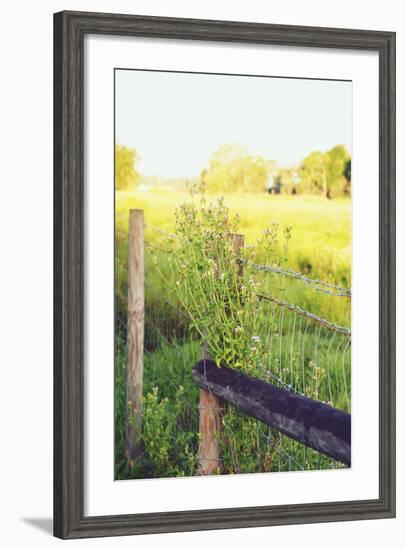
<point x="224" y="260"/>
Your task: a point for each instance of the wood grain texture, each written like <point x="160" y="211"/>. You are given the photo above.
<point x="70" y="28"/>
<point x="68" y="277"/>
<point x="310" y="422"/>
<point x="211" y="409"/>
<point x="135" y="333"/>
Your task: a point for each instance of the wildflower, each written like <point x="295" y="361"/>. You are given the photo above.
<point x="255" y="338"/>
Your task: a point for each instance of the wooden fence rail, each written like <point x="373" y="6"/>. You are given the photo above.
<point x="310" y="422"/>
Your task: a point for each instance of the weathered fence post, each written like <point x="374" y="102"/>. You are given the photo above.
<point x="211" y="409"/>
<point x="135" y="333"/>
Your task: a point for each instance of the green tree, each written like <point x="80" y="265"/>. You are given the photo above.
<point x="231" y="169"/>
<point x="313" y="174"/>
<point x="326" y="173"/>
<point x="337" y="160"/>
<point x="289" y="179"/>
<point x="347" y="175"/>
<point x="126" y="175"/>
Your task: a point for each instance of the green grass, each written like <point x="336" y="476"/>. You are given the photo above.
<point x="320" y="247"/>
<point x="170" y="412"/>
<point x="170" y="418"/>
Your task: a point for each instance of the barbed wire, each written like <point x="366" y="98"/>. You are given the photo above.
<point x="292" y="307"/>
<point x="334" y="290"/>
<point x="316" y="284"/>
<point x="161" y="231"/>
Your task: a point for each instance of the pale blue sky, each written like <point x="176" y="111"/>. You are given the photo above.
<point x="176" y="121"/>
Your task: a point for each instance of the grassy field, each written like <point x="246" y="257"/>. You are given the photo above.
<point x="321" y="238"/>
<point x="320" y="247"/>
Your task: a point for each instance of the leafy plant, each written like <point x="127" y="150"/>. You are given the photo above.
<point x="170" y="413"/>
<point x="170" y="449"/>
<point x="216" y="281"/>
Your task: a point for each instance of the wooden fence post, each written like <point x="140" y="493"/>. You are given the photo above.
<point x="135" y="333"/>
<point x="211" y="409"/>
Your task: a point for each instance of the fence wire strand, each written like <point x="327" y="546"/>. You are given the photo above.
<point x="316" y="284"/>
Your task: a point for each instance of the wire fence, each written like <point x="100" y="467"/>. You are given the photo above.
<point x="306" y="353"/>
<point x="315" y="284"/>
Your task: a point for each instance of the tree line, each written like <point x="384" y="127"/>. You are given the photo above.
<point x="232" y="169"/>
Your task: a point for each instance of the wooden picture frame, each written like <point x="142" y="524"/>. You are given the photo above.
<point x="69" y="31"/>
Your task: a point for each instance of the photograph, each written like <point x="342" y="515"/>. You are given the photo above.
<point x="232" y="274"/>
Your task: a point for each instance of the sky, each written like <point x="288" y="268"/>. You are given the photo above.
<point x="176" y="121"/>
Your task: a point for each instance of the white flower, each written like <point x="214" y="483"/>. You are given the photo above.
<point x="255" y="338"/>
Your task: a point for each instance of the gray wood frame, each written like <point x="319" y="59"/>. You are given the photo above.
<point x="69" y="31"/>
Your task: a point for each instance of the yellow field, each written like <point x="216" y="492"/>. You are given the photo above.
<point x="321" y="234"/>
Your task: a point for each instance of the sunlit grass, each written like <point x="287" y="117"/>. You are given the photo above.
<point x="320" y="245"/>
<point x="321" y="237"/>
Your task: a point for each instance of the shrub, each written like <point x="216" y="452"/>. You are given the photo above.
<point x="218" y="284"/>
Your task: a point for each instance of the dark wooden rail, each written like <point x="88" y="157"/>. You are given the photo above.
<point x="315" y="424"/>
